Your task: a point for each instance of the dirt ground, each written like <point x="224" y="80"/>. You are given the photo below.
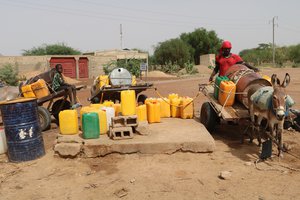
<point x="176" y="176"/>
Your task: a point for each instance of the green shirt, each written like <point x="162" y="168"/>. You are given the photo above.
<point x="57" y="81"/>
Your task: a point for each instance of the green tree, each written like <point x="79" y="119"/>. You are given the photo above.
<point x="294" y="53"/>
<point x="173" y="51"/>
<point x="202" y="42"/>
<point x="264" y="54"/>
<point x="52" y="49"/>
<point x="9" y="75"/>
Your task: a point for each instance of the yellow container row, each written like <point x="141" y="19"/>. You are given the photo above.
<point x="37" y="89"/>
<point x="152" y="111"/>
<point x="174" y="106"/>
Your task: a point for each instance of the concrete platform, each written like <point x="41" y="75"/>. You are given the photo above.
<point x="169" y="136"/>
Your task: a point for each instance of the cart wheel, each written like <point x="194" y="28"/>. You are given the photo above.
<point x="287" y="124"/>
<point x="95" y="100"/>
<point x="208" y="116"/>
<point x="296" y="124"/>
<point x="45" y="118"/>
<point x="55" y="108"/>
<point x="142" y="98"/>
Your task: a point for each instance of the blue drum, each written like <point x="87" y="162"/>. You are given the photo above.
<point x="22" y="129"/>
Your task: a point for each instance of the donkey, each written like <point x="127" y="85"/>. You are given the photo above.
<point x="274" y="114"/>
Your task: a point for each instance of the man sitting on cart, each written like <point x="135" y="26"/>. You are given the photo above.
<point x="59" y="84"/>
<point x="226" y="59"/>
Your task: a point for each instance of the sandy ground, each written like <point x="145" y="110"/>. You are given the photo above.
<point x="176" y="176"/>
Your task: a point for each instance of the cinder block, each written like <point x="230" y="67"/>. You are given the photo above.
<point x="120" y="133"/>
<point x="142" y="128"/>
<point x="123" y="121"/>
<point x="118" y="121"/>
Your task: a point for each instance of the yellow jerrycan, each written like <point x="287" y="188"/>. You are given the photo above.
<point x="68" y="122"/>
<point x="227" y="93"/>
<point x="172" y="96"/>
<point x="187" y="108"/>
<point x="40" y="88"/>
<point x="153" y="112"/>
<point x="108" y="103"/>
<point x="27" y="91"/>
<point x="175" y="107"/>
<point x="128" y="103"/>
<point x="165" y="107"/>
<point x="141" y="112"/>
<point x="103" y="80"/>
<point x="117" y="107"/>
<point x="96" y="105"/>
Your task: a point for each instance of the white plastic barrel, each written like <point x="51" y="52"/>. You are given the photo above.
<point x="110" y="113"/>
<point x="3" y="144"/>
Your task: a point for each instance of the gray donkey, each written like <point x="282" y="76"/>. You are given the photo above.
<point x="274" y="113"/>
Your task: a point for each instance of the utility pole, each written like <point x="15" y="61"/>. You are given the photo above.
<point x="273" y="23"/>
<point x="121" y="37"/>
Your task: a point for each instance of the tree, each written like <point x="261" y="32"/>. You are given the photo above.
<point x="202" y="42"/>
<point x="132" y="65"/>
<point x="294" y="53"/>
<point x="173" y="51"/>
<point x="53" y="49"/>
<point x="9" y="75"/>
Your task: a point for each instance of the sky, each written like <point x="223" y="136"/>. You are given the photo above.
<point x="90" y="25"/>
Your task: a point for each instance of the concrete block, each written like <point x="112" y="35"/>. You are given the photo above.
<point x="121" y="121"/>
<point x="142" y="128"/>
<point x="69" y="139"/>
<point x="120" y="133"/>
<point x="68" y="149"/>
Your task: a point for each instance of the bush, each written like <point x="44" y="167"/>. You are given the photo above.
<point x="170" y="67"/>
<point x="189" y="68"/>
<point x="296" y="65"/>
<point x="9" y="75"/>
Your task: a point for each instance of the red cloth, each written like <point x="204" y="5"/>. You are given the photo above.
<point x="225" y="63"/>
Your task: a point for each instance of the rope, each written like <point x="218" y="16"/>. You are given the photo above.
<point x="193" y="99"/>
<point x="273" y="168"/>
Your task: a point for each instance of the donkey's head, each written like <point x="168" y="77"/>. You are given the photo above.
<point x="279" y="96"/>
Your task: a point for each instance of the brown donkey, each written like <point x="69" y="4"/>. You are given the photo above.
<point x="275" y="113"/>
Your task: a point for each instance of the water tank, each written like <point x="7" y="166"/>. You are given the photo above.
<point x="120" y="76"/>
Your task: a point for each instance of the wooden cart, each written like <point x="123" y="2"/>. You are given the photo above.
<point x="54" y="102"/>
<point x="212" y="111"/>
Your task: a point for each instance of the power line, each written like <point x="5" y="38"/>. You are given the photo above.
<point x="102" y="16"/>
<point x="293" y="29"/>
<point x="162" y="13"/>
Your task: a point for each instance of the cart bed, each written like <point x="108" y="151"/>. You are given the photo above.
<point x="229" y="113"/>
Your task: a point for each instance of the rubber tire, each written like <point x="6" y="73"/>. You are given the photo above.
<point x="141" y="98"/>
<point x="208" y="117"/>
<point x="287" y="124"/>
<point x="296" y="124"/>
<point x="45" y="118"/>
<point x="55" y="108"/>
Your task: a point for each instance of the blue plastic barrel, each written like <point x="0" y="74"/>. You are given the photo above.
<point x="22" y="129"/>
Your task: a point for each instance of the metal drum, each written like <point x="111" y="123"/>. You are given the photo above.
<point x="244" y="78"/>
<point x="120" y="76"/>
<point x="22" y="129"/>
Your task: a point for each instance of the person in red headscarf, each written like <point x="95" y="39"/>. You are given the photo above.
<point x="226" y="59"/>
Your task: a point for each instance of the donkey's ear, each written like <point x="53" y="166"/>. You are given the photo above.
<point x="274" y="80"/>
<point x="286" y="80"/>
